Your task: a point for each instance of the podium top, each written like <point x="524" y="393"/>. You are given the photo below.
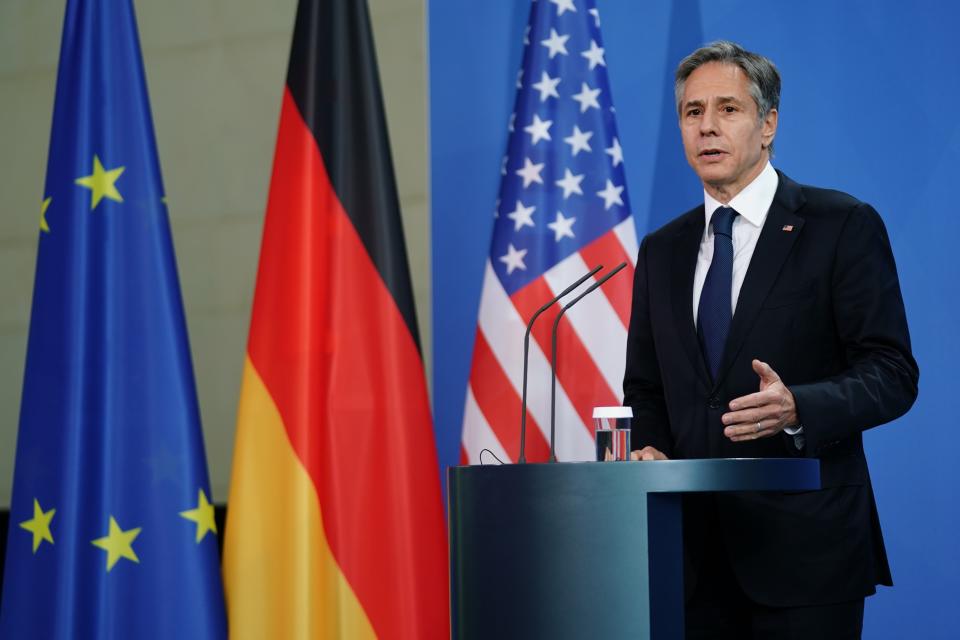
<point x="658" y="476"/>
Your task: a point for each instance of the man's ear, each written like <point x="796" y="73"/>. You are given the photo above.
<point x="769" y="128"/>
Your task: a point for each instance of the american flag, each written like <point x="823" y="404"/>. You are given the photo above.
<point x="563" y="209"/>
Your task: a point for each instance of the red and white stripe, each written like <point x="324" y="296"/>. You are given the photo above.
<point x="591" y="350"/>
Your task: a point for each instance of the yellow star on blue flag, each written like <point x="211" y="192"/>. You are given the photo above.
<point x="118" y="544"/>
<point x="102" y="183"/>
<point x="202" y="515"/>
<point x="39" y="525"/>
<point x="43" y="215"/>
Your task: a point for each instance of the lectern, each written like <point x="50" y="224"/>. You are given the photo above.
<point x="584" y="549"/>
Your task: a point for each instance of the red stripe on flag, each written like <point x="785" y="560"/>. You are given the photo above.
<point x="608" y="251"/>
<point x="576" y="369"/>
<point x="500" y="405"/>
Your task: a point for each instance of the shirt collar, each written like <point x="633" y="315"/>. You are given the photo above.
<point x="752" y="203"/>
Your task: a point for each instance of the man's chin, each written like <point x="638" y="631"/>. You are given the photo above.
<point x="713" y="175"/>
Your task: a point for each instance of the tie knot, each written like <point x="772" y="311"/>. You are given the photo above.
<point x="722" y="221"/>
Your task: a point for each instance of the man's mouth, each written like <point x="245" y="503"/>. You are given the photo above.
<point x="712" y="153"/>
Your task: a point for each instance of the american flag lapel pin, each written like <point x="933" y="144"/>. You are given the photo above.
<point x="787" y="227"/>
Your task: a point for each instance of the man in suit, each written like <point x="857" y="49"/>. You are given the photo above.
<point x="767" y="322"/>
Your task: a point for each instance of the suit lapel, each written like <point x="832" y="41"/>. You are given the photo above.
<point x="771" y="252"/>
<point x="685" y="248"/>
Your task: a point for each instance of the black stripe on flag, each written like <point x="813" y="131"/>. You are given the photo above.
<point x="334" y="81"/>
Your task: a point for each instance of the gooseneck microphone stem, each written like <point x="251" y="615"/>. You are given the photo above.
<point x="526" y="357"/>
<point x="553" y="357"/>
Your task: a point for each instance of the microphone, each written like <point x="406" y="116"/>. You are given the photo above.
<point x="526" y="357"/>
<point x="553" y="357"/>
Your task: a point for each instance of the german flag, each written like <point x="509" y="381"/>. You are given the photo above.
<point x="335" y="525"/>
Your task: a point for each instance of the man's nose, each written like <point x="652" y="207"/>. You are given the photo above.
<point x="708" y="123"/>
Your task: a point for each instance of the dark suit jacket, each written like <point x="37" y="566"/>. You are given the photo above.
<point x="821" y="304"/>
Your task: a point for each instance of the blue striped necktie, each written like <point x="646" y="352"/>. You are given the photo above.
<point x="716" y="309"/>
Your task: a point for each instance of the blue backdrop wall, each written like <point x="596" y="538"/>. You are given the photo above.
<point x="869" y="106"/>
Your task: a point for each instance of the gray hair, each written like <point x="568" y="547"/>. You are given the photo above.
<point x="762" y="75"/>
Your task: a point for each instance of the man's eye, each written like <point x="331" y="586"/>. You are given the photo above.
<point x="729" y="109"/>
<point x="693" y="112"/>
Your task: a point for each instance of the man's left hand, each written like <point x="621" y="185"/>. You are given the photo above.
<point x="762" y="414"/>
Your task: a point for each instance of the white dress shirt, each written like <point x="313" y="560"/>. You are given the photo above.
<point x="753" y="204"/>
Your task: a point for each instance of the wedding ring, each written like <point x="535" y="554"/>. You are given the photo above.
<point x="758" y="427"/>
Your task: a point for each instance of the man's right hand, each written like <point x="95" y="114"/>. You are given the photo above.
<point x="647" y="453"/>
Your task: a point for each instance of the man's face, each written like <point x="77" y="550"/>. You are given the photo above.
<point x="724" y="141"/>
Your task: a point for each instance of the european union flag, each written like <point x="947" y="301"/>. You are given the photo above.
<point x="112" y="533"/>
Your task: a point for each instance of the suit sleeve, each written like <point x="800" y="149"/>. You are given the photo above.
<point x="879" y="383"/>
<point x="642" y="387"/>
